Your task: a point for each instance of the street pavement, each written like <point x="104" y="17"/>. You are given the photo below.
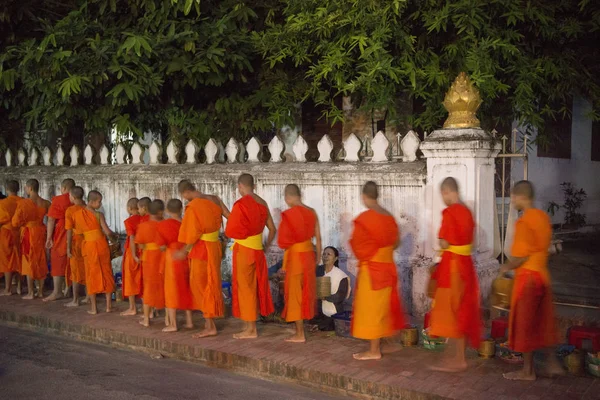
<point x="35" y="366"/>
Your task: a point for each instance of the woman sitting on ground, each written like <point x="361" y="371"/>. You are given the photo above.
<point x="340" y="290"/>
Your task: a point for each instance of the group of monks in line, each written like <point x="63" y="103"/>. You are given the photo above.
<point x="175" y="263"/>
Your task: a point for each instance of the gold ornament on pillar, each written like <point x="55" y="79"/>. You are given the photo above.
<point x="462" y="102"/>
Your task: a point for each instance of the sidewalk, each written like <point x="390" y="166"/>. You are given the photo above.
<point x="324" y="362"/>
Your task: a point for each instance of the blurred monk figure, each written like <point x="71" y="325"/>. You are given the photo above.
<point x="75" y="244"/>
<point x="29" y="216"/>
<point x="532" y="325"/>
<point x="152" y="259"/>
<point x="456" y="314"/>
<point x="96" y="253"/>
<point x="144" y="208"/>
<point x="10" y="256"/>
<point x="250" y="281"/>
<point x="200" y="233"/>
<point x="298" y="226"/>
<point x="176" y="272"/>
<point x="131" y="271"/>
<point x="56" y="238"/>
<point x="377" y="311"/>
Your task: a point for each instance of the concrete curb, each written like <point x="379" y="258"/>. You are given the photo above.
<point x="257" y="367"/>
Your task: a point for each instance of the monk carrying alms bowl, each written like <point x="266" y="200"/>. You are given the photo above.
<point x="502" y="292"/>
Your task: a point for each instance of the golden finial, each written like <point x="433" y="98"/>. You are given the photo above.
<point x="462" y="101"/>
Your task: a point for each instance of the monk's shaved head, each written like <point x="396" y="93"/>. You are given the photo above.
<point x="77" y="192"/>
<point x="156" y="207"/>
<point x="67" y="184"/>
<point x="186" y="186"/>
<point x="450" y="184"/>
<point x="94" y="195"/>
<point x="132" y="203"/>
<point x="292" y="190"/>
<point x="174" y="206"/>
<point x="33" y="184"/>
<point x="12" y="186"/>
<point x="524" y="188"/>
<point x="246" y="180"/>
<point x="370" y="190"/>
<point x="144" y="202"/>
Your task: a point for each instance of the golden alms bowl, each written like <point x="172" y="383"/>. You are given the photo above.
<point x="502" y="292"/>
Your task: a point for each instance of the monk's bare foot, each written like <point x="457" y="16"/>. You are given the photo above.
<point x="52" y="297"/>
<point x="169" y="329"/>
<point x="91" y="312"/>
<point x="449" y="366"/>
<point x="519" y="376"/>
<point x="28" y="297"/>
<point x="207" y="333"/>
<point x="4" y="293"/>
<point x="86" y="300"/>
<point x="109" y="310"/>
<point x="145" y="323"/>
<point x="296" y="339"/>
<point x="72" y="304"/>
<point x="189" y="326"/>
<point x="129" y="312"/>
<point x="245" y="335"/>
<point x="367" y="355"/>
<point x="19" y="290"/>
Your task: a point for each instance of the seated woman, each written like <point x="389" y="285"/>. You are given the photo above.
<point x="340" y="290"/>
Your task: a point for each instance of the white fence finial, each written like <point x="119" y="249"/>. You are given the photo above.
<point x="74" y="153"/>
<point x="104" y="155"/>
<point x="34" y="156"/>
<point x="21" y="157"/>
<point x="254" y="148"/>
<point x="121" y="154"/>
<point x="88" y="154"/>
<point x="325" y="147"/>
<point x="300" y="148"/>
<point x="352" y="146"/>
<point x="231" y="150"/>
<point x="211" y="151"/>
<point x="9" y="158"/>
<point x="154" y="152"/>
<point x="60" y="156"/>
<point x="190" y="152"/>
<point x="380" y="146"/>
<point x="137" y="153"/>
<point x="410" y="144"/>
<point x="47" y="156"/>
<point x="171" y="153"/>
<point x="276" y="148"/>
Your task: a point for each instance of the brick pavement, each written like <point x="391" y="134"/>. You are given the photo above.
<point x="325" y="361"/>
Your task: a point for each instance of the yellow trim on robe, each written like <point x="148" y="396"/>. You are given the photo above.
<point x="464" y="250"/>
<point x="251" y="242"/>
<point x="210" y="237"/>
<point x="91" y="236"/>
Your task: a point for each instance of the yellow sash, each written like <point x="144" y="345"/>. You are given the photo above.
<point x="91" y="236"/>
<point x="149" y="247"/>
<point x="464" y="250"/>
<point x="210" y="237"/>
<point x="384" y="255"/>
<point x="251" y="242"/>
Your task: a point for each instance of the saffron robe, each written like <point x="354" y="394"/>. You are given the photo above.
<point x="30" y="218"/>
<point x="200" y="226"/>
<point x="96" y="253"/>
<point x="10" y="255"/>
<point x="377" y="311"/>
<point x="532" y="323"/>
<point x="76" y="262"/>
<point x="152" y="264"/>
<point x="58" y="253"/>
<point x="250" y="278"/>
<point x="131" y="272"/>
<point x="295" y="232"/>
<point x="176" y="272"/>
<point x="456" y="312"/>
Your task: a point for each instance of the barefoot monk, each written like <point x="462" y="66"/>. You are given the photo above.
<point x="10" y="256"/>
<point x="75" y="244"/>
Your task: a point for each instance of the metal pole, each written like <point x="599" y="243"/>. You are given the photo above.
<point x="502" y="232"/>
<point x="525" y="160"/>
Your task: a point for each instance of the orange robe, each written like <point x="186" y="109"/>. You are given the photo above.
<point x="295" y="232"/>
<point x="250" y="281"/>
<point x="532" y="323"/>
<point x="10" y="255"/>
<point x="76" y="262"/>
<point x="58" y="254"/>
<point x="131" y="273"/>
<point x="456" y="312"/>
<point x="201" y="223"/>
<point x="96" y="254"/>
<point x="152" y="264"/>
<point x="176" y="272"/>
<point x="377" y="311"/>
<point x="30" y="218"/>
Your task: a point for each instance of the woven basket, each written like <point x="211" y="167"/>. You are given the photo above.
<point x="502" y="292"/>
<point x="323" y="287"/>
<point x="115" y="248"/>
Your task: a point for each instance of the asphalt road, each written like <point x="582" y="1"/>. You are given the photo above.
<point x="35" y="366"/>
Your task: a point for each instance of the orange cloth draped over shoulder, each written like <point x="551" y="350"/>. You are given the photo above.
<point x="377" y="311"/>
<point x="152" y="264"/>
<point x="250" y="278"/>
<point x="131" y="272"/>
<point x="76" y="262"/>
<point x="532" y="323"/>
<point x="294" y="235"/>
<point x="200" y="226"/>
<point x="30" y="218"/>
<point x="176" y="272"/>
<point x="95" y="251"/>
<point x="58" y="253"/>
<point x="10" y="254"/>
<point x="456" y="312"/>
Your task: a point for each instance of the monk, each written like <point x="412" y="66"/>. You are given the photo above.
<point x="532" y="324"/>
<point x="143" y="208"/>
<point x="96" y="253"/>
<point x="250" y="283"/>
<point x="10" y="256"/>
<point x="200" y="233"/>
<point x="377" y="312"/>
<point x="56" y="238"/>
<point x="75" y="244"/>
<point x="298" y="226"/>
<point x="178" y="295"/>
<point x="154" y="284"/>
<point x="456" y="314"/>
<point x="131" y="271"/>
<point x="29" y="216"/>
